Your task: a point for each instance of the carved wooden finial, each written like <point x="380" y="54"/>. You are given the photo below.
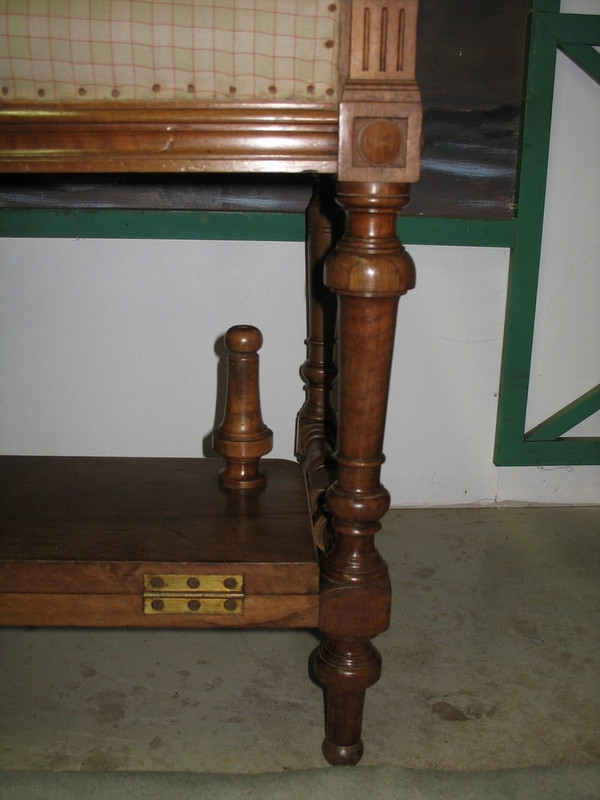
<point x="242" y="438"/>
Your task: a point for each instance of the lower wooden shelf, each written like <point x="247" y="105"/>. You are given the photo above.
<point x="141" y="542"/>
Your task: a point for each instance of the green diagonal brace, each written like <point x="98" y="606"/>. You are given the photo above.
<point x="585" y="57"/>
<point x="567" y="418"/>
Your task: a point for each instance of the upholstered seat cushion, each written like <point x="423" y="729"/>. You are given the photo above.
<point x="73" y="51"/>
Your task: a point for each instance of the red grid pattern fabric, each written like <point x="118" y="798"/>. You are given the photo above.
<point x="152" y="50"/>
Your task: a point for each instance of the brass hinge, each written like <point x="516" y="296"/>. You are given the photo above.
<point x="193" y="594"/>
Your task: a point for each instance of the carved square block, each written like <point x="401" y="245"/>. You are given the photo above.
<point x="380" y="142"/>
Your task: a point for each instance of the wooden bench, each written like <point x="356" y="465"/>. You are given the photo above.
<point x="207" y="86"/>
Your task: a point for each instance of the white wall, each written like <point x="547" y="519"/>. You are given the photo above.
<point x="107" y="347"/>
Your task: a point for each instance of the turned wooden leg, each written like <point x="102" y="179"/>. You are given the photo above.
<point x="369" y="270"/>
<point x="316" y="422"/>
<point x="242" y="438"/>
<point x="351" y="667"/>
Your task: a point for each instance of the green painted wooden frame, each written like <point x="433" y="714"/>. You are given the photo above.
<point x="545" y="445"/>
<point x="575" y="35"/>
<point x="238" y="225"/>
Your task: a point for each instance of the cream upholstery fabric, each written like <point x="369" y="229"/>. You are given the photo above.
<point x="181" y="51"/>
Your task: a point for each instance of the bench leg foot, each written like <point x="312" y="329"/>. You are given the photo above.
<point x="346" y="669"/>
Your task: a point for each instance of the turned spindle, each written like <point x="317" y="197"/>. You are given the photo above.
<point x="370" y="271"/>
<point x="242" y="437"/>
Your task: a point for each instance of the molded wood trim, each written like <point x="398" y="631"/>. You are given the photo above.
<point x="216" y="138"/>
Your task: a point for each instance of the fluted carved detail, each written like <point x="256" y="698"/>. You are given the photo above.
<point x="380" y="107"/>
<point x="380" y="47"/>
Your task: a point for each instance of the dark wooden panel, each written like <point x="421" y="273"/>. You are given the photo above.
<point x="184" y="192"/>
<point x="470" y="66"/>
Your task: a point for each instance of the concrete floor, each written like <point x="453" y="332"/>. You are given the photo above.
<point x="492" y="661"/>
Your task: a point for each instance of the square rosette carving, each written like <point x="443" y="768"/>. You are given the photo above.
<point x="380" y="142"/>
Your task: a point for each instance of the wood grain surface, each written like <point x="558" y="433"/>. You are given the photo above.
<point x="95" y="525"/>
